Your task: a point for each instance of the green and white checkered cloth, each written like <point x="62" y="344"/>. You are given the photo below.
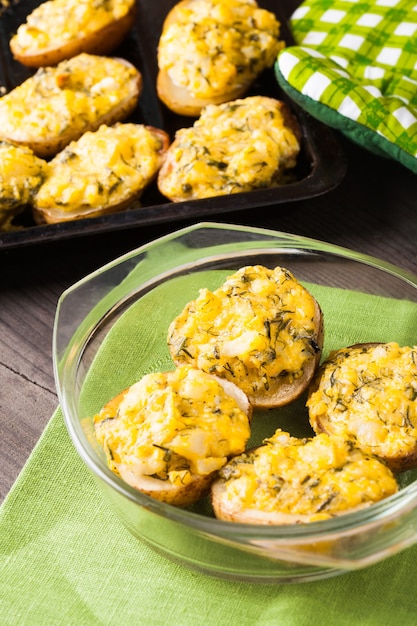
<point x="355" y="68"/>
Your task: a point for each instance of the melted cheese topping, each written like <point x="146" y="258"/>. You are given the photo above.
<point x="56" y="22"/>
<point x="317" y="478"/>
<point x="214" y="45"/>
<point x="70" y="96"/>
<point x="102" y="168"/>
<point x="172" y="426"/>
<point x="21" y="175"/>
<point x="234" y="147"/>
<point x="257" y="327"/>
<point x="369" y="395"/>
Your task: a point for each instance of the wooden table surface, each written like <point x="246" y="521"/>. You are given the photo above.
<point x="373" y="210"/>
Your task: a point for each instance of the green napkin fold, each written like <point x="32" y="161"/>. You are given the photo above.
<point x="66" y="559"/>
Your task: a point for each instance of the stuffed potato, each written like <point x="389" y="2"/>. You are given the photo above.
<point x="367" y="394"/>
<point x="238" y="146"/>
<point x="211" y="51"/>
<point x="102" y="172"/>
<point x="60" y="29"/>
<point x="261" y="330"/>
<point x="21" y="175"/>
<point x="168" y="434"/>
<point x="292" y="481"/>
<point x="58" y="104"/>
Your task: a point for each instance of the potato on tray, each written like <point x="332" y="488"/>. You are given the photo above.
<point x="238" y="146"/>
<point x="21" y="175"/>
<point x="60" y="29"/>
<point x="102" y="172"/>
<point x="211" y="51"/>
<point x="261" y="329"/>
<point x="58" y="104"/>
<point x="169" y="433"/>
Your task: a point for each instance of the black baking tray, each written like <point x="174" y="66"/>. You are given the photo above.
<point x="321" y="164"/>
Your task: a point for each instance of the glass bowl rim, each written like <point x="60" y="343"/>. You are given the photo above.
<point x="385" y="510"/>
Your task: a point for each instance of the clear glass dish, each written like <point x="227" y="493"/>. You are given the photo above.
<point x="110" y="329"/>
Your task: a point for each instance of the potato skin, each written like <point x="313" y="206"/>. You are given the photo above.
<point x="221" y="153"/>
<point x="179" y="100"/>
<point x="398" y="448"/>
<point x="177" y="493"/>
<point x="47" y="206"/>
<point x="227" y="513"/>
<point x="288" y="480"/>
<point x="184" y="101"/>
<point x="50" y="85"/>
<point x="101" y="42"/>
<point x="201" y="333"/>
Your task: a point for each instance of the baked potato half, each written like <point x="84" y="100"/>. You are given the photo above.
<point x="21" y="175"/>
<point x="261" y="329"/>
<point x="169" y="433"/>
<point x="293" y="481"/>
<point x="61" y="29"/>
<point x="58" y="104"/>
<point x="211" y="51"/>
<point x="249" y="143"/>
<point x="367" y="394"/>
<point x="102" y="172"/>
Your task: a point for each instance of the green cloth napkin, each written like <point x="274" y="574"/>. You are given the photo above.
<point x="355" y="68"/>
<point x="67" y="560"/>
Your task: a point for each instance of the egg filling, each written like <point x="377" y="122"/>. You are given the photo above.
<point x="214" y="45"/>
<point x="303" y="480"/>
<point x="256" y="328"/>
<point x="101" y="169"/>
<point x="239" y="146"/>
<point x="21" y="175"/>
<point x="69" y="97"/>
<point x="368" y="394"/>
<point x="56" y="22"/>
<point x="172" y="426"/>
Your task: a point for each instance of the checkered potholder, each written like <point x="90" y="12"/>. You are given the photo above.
<point x="355" y="68"/>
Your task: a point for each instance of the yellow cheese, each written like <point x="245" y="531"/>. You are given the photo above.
<point x="213" y="45"/>
<point x="233" y="147"/>
<point x="368" y="395"/>
<point x="56" y="22"/>
<point x="172" y="426"/>
<point x="255" y="328"/>
<point x="21" y="175"/>
<point x="306" y="479"/>
<point x="102" y="168"/>
<point x="69" y="97"/>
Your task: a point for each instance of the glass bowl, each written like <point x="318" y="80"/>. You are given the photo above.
<point x="111" y="328"/>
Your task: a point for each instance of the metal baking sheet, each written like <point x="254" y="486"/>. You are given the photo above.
<point x="321" y="164"/>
